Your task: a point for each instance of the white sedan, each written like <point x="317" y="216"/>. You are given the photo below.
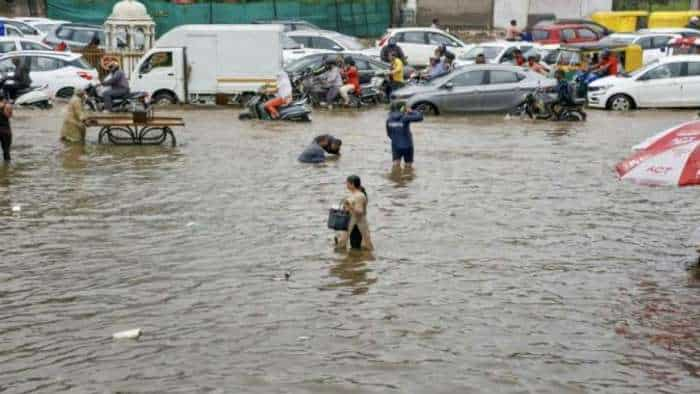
<point x="14" y="43"/>
<point x="61" y="72"/>
<point x="670" y="82"/>
<point x="419" y="43"/>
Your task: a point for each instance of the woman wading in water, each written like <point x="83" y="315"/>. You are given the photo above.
<point x="358" y="229"/>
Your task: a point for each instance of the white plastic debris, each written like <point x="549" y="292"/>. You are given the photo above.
<point x="129" y="334"/>
<point x="508" y="117"/>
<point x="190" y="224"/>
<point x="16" y="208"/>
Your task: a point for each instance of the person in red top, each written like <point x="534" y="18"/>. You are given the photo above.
<point x="608" y="65"/>
<point x="519" y="58"/>
<point x="352" y="81"/>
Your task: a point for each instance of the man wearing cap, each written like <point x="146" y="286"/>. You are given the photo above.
<point x="398" y="128"/>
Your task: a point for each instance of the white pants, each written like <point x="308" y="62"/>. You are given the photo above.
<point x="345" y="90"/>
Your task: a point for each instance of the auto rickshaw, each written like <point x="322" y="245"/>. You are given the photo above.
<point x="573" y="58"/>
<point x="661" y="19"/>
<point x="622" y="21"/>
<point x="683" y="46"/>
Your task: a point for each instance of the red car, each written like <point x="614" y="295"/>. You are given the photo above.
<point x="563" y="34"/>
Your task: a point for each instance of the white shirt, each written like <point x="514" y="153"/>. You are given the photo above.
<point x="284" y="87"/>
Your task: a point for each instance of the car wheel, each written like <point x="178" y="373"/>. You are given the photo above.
<point x="426" y="108"/>
<point x="164" y="98"/>
<point x="620" y="102"/>
<point x="65" y="93"/>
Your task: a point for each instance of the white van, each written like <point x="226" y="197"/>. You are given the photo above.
<point x="197" y="63"/>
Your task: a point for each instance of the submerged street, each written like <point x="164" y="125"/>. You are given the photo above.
<point x="512" y="260"/>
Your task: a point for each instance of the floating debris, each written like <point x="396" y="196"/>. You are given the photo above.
<point x="16" y="208"/>
<point x="129" y="334"/>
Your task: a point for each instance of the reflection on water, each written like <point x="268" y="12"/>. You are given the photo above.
<point x="353" y="271"/>
<point x="511" y="260"/>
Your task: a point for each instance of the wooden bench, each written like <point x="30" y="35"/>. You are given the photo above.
<point x="121" y="129"/>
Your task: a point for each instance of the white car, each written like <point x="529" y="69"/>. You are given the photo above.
<point x="672" y="81"/>
<point x="45" y="25"/>
<point x="14" y="43"/>
<point x="62" y="72"/>
<point x="683" y="31"/>
<point x="27" y="30"/>
<point x="326" y="40"/>
<point x="419" y="43"/>
<point x="496" y="52"/>
<point x="292" y="50"/>
<point x="653" y="44"/>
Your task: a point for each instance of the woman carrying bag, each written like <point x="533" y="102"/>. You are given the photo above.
<point x="354" y="213"/>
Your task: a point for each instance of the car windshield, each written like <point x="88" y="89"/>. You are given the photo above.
<point x="616" y="39"/>
<point x="349" y="43"/>
<point x="303" y="63"/>
<point x="489" y="52"/>
<point x="45" y="27"/>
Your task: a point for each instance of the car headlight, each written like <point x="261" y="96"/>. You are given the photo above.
<point x="601" y="88"/>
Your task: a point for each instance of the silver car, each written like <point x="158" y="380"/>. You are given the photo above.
<point x="474" y="88"/>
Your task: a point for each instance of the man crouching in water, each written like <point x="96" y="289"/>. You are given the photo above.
<point x="398" y="128"/>
<point x="316" y="152"/>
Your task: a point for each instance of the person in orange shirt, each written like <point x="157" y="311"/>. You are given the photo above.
<point x="608" y="65"/>
<point x="352" y="81"/>
<point x="535" y="66"/>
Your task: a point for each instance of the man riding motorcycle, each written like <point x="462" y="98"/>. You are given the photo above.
<point x="390" y="48"/>
<point x="282" y="97"/>
<point x="117" y="86"/>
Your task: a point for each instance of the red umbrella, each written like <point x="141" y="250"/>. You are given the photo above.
<point x="671" y="157"/>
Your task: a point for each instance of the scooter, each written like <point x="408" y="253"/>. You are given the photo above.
<point x="541" y="105"/>
<point x="308" y="84"/>
<point x="135" y="101"/>
<point x="297" y="110"/>
<point x="33" y="97"/>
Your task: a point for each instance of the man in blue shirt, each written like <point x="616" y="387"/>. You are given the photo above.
<point x="316" y="152"/>
<point x="398" y="128"/>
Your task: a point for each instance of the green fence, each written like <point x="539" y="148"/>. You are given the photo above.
<point x="362" y="18"/>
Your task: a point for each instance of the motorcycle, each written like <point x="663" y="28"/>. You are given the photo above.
<point x="542" y="105"/>
<point x="135" y="101"/>
<point x="297" y="110"/>
<point x="309" y="83"/>
<point x="32" y="97"/>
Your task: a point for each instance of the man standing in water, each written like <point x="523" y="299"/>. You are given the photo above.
<point x="5" y="130"/>
<point x="398" y="128"/>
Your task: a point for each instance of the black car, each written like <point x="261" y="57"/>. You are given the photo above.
<point x="367" y="67"/>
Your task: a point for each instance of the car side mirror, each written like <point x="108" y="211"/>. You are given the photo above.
<point x="448" y="86"/>
<point x="337" y="48"/>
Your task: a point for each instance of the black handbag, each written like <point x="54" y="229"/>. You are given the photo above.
<point x="338" y="219"/>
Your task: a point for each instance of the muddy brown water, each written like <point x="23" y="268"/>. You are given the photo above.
<point x="511" y="261"/>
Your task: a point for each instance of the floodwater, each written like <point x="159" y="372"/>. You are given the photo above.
<point x="511" y="261"/>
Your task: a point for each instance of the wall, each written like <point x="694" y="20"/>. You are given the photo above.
<point x="463" y="13"/>
<point x="505" y="10"/>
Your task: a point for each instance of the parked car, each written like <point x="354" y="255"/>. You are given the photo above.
<point x="45" y="25"/>
<point x="62" y="72"/>
<point x="599" y="29"/>
<point x="27" y="30"/>
<point x="289" y="24"/>
<point x="563" y="34"/>
<point x="672" y="30"/>
<point x="326" y="40"/>
<point x="12" y="31"/>
<point x="11" y="44"/>
<point x="672" y="81"/>
<point x="293" y="51"/>
<point x="77" y="36"/>
<point x="653" y="44"/>
<point x="475" y="88"/>
<point x="419" y="43"/>
<point x="367" y="66"/>
<point x="495" y="52"/>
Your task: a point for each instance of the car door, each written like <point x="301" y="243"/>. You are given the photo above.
<point x="690" y="84"/>
<point x="32" y="46"/>
<point x="658" y="48"/>
<point x="660" y="86"/>
<point x="157" y="72"/>
<point x="43" y="71"/>
<point x="567" y="35"/>
<point x="415" y="46"/>
<point x="502" y="91"/>
<point x="461" y="93"/>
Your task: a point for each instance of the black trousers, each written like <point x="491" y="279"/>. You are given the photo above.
<point x="5" y="142"/>
<point x="355" y="238"/>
